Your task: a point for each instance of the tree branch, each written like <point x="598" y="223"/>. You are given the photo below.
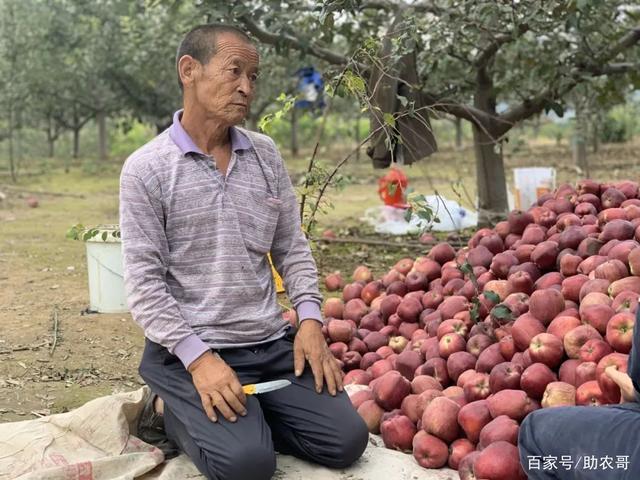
<point x="485" y="56"/>
<point x="613" y="68"/>
<point x="458" y="109"/>
<point x="274" y="38"/>
<point x="599" y="67"/>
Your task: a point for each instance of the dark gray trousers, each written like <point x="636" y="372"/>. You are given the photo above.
<point x="294" y="420"/>
<point x="587" y="443"/>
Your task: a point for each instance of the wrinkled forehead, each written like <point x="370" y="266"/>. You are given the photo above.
<point x="231" y="46"/>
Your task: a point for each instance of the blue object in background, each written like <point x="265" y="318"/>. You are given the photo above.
<point x="310" y="89"/>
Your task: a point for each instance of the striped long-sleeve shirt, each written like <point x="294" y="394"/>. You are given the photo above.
<point x="195" y="244"/>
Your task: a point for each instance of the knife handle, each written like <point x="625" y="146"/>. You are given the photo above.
<point x="249" y="389"/>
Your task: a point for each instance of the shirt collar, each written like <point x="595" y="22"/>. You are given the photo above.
<point x="185" y="143"/>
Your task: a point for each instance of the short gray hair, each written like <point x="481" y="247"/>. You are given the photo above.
<point x="201" y="41"/>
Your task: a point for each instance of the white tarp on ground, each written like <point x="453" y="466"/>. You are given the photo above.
<point x="94" y="442"/>
<point x="390" y="220"/>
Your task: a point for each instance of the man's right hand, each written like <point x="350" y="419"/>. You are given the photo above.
<point x="218" y="387"/>
<point x="627" y="391"/>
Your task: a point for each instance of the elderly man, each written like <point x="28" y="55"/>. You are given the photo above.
<point x="599" y="443"/>
<point x="201" y="206"/>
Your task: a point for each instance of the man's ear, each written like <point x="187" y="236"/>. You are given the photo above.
<point x="187" y="69"/>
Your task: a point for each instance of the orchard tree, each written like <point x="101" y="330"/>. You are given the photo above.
<point x="513" y="59"/>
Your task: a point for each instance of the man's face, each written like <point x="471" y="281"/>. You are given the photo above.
<point x="225" y="86"/>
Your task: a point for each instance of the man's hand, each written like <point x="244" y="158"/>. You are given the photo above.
<point x="218" y="387"/>
<point x="624" y="382"/>
<point x="311" y="346"/>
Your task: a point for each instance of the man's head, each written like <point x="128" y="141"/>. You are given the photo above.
<point x="217" y="68"/>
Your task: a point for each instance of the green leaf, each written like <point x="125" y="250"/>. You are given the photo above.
<point x="104" y="236"/>
<point x="493" y="297"/>
<point x="355" y="83"/>
<point x="389" y="119"/>
<point x="407" y="215"/>
<point x="502" y="312"/>
<point x="475" y="309"/>
<point x="466" y="268"/>
<point x="556" y="107"/>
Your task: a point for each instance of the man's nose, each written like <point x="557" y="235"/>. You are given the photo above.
<point x="245" y="87"/>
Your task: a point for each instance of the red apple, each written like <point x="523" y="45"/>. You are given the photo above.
<point x="362" y="274"/>
<point x="407" y="363"/>
<point x="499" y="461"/>
<point x="562" y="325"/>
<point x="577" y="337"/>
<point x="500" y="428"/>
<point x="524" y="329"/>
<point x="535" y="378"/>
<point x="459" y="362"/>
<point x="477" y="387"/>
<point x="589" y="393"/>
<point x="357" y="376"/>
<point x="585" y="372"/>
<point x="429" y="451"/>
<point x="478" y="343"/>
<point x="609" y="388"/>
<point x="473" y="417"/>
<point x="546" y="348"/>
<point x="593" y="350"/>
<point x="459" y="449"/>
<point x="334" y="281"/>
<point x="505" y="375"/>
<point x="619" y="331"/>
<point x="489" y="358"/>
<point x="398" y="432"/>
<point x="451" y="343"/>
<point x="359" y="397"/>
<point x="559" y="394"/>
<point x="510" y="402"/>
<point x="440" y="418"/>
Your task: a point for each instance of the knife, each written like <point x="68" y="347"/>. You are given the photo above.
<point x="256" y="388"/>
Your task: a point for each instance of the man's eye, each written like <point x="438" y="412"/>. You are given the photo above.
<point x="235" y="70"/>
<point x="254" y="77"/>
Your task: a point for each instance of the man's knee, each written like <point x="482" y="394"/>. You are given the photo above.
<point x="247" y="461"/>
<point x="349" y="441"/>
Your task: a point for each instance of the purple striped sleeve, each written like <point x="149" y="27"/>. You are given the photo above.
<point x="309" y="310"/>
<point x="189" y="349"/>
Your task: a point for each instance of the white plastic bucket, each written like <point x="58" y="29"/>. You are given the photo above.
<point x="530" y="184"/>
<point x="104" y="266"/>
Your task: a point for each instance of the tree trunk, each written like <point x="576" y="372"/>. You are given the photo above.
<point x="12" y="165"/>
<point x="491" y="183"/>
<point x="294" y="132"/>
<point x="536" y="126"/>
<point x="579" y="140"/>
<point x="458" y="124"/>
<point x="51" y="141"/>
<point x="101" y="118"/>
<point x="595" y="133"/>
<point x="76" y="142"/>
<point x="356" y="131"/>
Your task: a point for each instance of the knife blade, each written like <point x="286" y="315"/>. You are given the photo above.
<point x="257" y="388"/>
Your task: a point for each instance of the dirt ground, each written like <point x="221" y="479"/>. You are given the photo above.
<point x="43" y="275"/>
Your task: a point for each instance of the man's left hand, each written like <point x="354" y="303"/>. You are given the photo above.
<point x="311" y="346"/>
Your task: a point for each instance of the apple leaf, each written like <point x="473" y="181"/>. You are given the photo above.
<point x="493" y="297"/>
<point x="502" y="313"/>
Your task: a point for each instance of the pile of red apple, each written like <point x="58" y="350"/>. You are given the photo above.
<point x="454" y="349"/>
